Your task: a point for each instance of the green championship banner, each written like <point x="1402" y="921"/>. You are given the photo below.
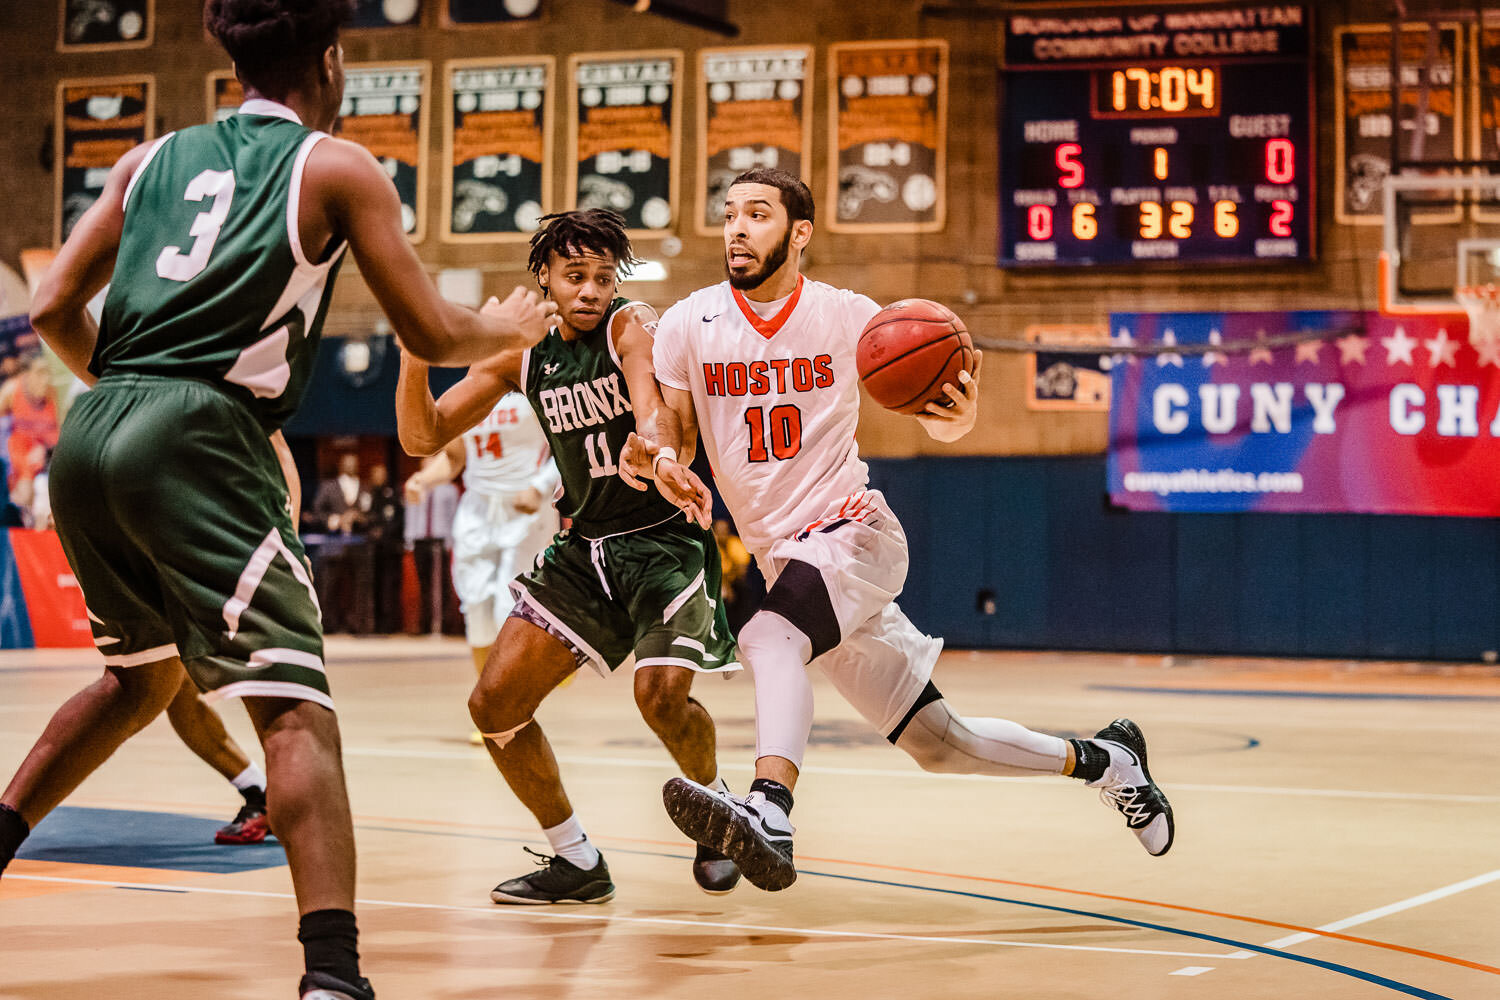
<point x="888" y="112"/>
<point x="98" y="121"/>
<point x="386" y="14"/>
<point x="497" y="179"/>
<point x="753" y="111"/>
<point x="624" y="135"/>
<point x="385" y="111"/>
<point x="1485" y="70"/>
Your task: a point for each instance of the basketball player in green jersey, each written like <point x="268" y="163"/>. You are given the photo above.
<point x="219" y="244"/>
<point x="631" y="575"/>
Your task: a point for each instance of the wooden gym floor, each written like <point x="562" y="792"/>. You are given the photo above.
<point x="1338" y="836"/>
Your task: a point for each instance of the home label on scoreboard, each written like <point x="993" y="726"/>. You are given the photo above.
<point x="1179" y="132"/>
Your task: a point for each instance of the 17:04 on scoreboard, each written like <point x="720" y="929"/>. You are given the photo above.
<point x="1136" y="163"/>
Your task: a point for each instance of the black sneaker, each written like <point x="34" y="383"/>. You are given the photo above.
<point x="322" y="986"/>
<point x="714" y="873"/>
<point x="249" y="826"/>
<point x="557" y="880"/>
<point x="1127" y="787"/>
<point x="751" y="832"/>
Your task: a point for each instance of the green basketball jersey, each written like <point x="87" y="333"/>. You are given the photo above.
<point x="210" y="282"/>
<point x="580" y="396"/>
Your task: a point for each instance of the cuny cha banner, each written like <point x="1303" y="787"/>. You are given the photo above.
<point x="1360" y="413"/>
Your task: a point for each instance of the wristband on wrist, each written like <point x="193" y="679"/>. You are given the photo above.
<point x="664" y="453"/>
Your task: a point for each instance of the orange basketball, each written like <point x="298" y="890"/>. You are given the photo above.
<point x="908" y="350"/>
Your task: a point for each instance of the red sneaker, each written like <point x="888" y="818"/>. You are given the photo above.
<point x="250" y="826"/>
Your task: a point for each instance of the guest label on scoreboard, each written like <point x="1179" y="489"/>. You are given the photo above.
<point x="625" y="135"/>
<point x="1141" y="134"/>
<point x="888" y="104"/>
<point x="753" y="111"/>
<point x="1362" y="68"/>
<point x="385" y="111"/>
<point x="98" y="121"/>
<point x="496" y="176"/>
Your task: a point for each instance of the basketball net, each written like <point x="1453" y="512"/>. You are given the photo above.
<point x="1482" y="303"/>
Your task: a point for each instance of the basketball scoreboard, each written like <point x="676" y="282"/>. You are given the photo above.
<point x="1173" y="132"/>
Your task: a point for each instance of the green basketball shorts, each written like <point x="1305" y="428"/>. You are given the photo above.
<point x="174" y="515"/>
<point x="652" y="592"/>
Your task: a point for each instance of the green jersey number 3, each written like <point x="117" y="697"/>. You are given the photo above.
<point x="174" y="264"/>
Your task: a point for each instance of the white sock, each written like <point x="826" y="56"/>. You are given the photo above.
<point x="250" y="777"/>
<point x="777" y="653"/>
<point x="569" y="841"/>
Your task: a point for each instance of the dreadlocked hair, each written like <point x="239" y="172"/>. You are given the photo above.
<point x="274" y="42"/>
<point x="568" y="234"/>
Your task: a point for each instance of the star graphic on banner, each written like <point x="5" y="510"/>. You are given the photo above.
<point x="1352" y="349"/>
<point x="1489" y="352"/>
<point x="1442" y="350"/>
<point x="1123" y="338"/>
<point x="1308" y="351"/>
<point x="1211" y="358"/>
<point x="1262" y="354"/>
<point x="1398" y="347"/>
<point x="1169" y="357"/>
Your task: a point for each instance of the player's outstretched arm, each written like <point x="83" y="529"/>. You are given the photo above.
<point x="949" y="423"/>
<point x="83" y="266"/>
<point x="643" y="458"/>
<point x="352" y="197"/>
<point x="424" y="425"/>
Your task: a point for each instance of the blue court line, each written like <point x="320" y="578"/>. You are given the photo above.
<point x="1369" y="977"/>
<point x="1262" y="693"/>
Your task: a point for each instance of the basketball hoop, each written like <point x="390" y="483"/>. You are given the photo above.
<point x="1482" y="303"/>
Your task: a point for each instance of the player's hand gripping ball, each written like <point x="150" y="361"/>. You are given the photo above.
<point x="909" y="350"/>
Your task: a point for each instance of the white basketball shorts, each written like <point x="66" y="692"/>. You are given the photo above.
<point x="492" y="542"/>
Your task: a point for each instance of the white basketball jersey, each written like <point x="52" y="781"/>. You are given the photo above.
<point x="777" y="400"/>
<point x="504" y="450"/>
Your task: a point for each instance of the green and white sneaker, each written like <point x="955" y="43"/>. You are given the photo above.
<point x="556" y="880"/>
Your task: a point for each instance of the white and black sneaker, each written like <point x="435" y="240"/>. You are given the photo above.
<point x="322" y="986"/>
<point x="1127" y="787"/>
<point x="714" y="873"/>
<point x="752" y="832"/>
<point x="556" y="880"/>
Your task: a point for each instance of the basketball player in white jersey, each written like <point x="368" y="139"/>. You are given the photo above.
<point x="505" y="517"/>
<point x="763" y="367"/>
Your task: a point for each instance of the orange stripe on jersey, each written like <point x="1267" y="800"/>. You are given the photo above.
<point x="768" y="328"/>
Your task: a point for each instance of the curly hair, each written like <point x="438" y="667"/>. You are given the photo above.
<point x="596" y="230"/>
<point x="273" y="42"/>
<point x="794" y="194"/>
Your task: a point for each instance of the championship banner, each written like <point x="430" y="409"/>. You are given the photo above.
<point x="386" y="14"/>
<point x="753" y="111"/>
<point x="624" y="135"/>
<point x="101" y="25"/>
<point x="460" y="13"/>
<point x="225" y="95"/>
<point x="497" y="181"/>
<point x="98" y="121"/>
<point x="1485" y="70"/>
<point x="1388" y="415"/>
<point x="385" y="111"/>
<point x="1365" y="118"/>
<point x="888" y="114"/>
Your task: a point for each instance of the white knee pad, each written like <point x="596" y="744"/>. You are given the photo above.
<point x="944" y="742"/>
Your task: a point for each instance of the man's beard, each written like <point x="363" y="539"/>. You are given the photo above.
<point x="747" y="282"/>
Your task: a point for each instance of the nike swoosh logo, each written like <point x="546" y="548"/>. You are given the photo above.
<point x="710" y="319"/>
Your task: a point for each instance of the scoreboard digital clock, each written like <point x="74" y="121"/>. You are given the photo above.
<point x="1165" y="133"/>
